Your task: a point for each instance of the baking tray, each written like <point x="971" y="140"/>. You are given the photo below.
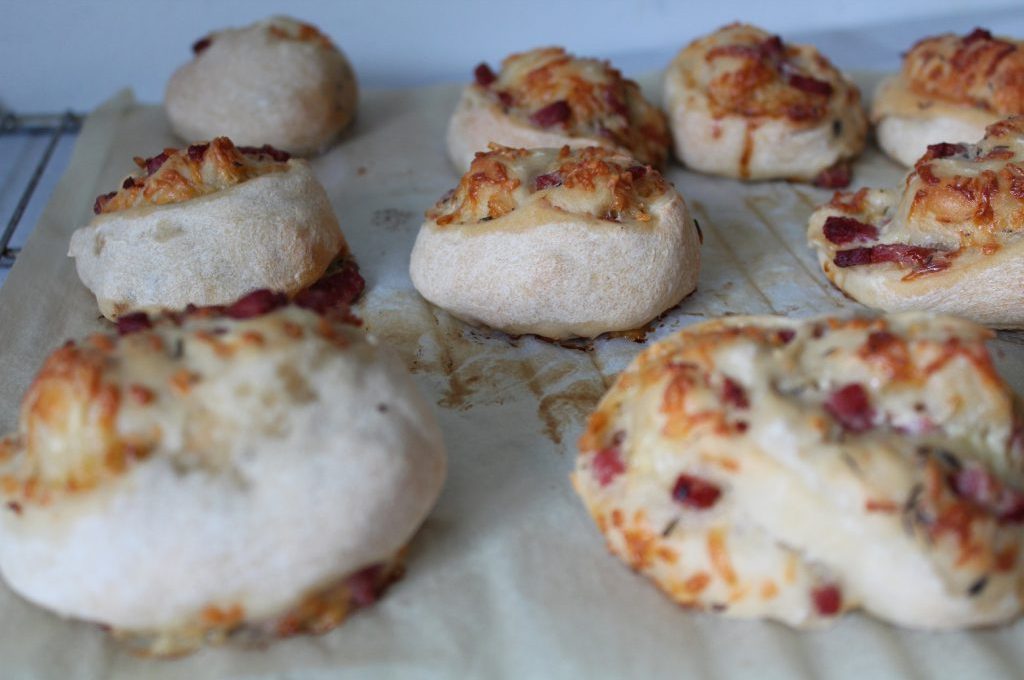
<point x="509" y="576"/>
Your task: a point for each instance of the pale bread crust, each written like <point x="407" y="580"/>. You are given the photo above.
<point x="275" y="231"/>
<point x="804" y="504"/>
<point x="543" y="271"/>
<point x="290" y="463"/>
<point x="294" y="95"/>
<point x="761" y="147"/>
<point x="907" y="124"/>
<point x="478" y="120"/>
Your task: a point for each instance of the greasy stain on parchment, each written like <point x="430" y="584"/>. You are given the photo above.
<point x="483" y="367"/>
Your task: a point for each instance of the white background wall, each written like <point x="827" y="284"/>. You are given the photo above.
<point x="59" y="54"/>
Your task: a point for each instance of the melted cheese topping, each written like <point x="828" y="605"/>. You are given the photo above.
<point x="179" y="175"/>
<point x="745" y="71"/>
<point x="756" y="465"/>
<point x="962" y="201"/>
<point x="976" y="70"/>
<point x="593" y="182"/>
<point x="598" y="101"/>
<point x="97" y="407"/>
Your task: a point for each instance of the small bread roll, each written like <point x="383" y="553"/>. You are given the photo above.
<point x="947" y="239"/>
<point x="761" y="467"/>
<point x="560" y="243"/>
<point x="949" y="90"/>
<point x="204" y="226"/>
<point x="549" y="98"/>
<point x="278" y="81"/>
<point x="744" y="104"/>
<point x="252" y="474"/>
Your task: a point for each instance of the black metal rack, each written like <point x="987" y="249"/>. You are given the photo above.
<point x="54" y="125"/>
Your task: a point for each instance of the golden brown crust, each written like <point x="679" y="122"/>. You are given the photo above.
<point x="70" y="397"/>
<point x="977" y="190"/>
<point x="551" y="89"/>
<point x="318" y="613"/>
<point x="498" y="181"/>
<point x="179" y="175"/>
<point x="976" y="70"/>
<point x="751" y="73"/>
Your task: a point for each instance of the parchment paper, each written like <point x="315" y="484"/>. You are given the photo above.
<point x="508" y="577"/>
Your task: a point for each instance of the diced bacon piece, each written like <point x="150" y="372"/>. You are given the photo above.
<point x="196" y="152"/>
<point x="341" y="288"/>
<point x="828" y="600"/>
<point x="943" y="150"/>
<point x="836" y="176"/>
<point x="842" y="230"/>
<point x="132" y="323"/>
<point x="809" y="84"/>
<point x="734" y="394"/>
<point x="483" y="75"/>
<point x="976" y="484"/>
<point x="256" y="303"/>
<point x="153" y="164"/>
<point x="364" y="585"/>
<point x="608" y="465"/>
<point x="899" y="253"/>
<point x="552" y="114"/>
<point x="638" y="172"/>
<point x="552" y="179"/>
<point x="694" y="492"/>
<point x="851" y="406"/>
<point x="772" y="48"/>
<point x="977" y="34"/>
<point x="101" y="200"/>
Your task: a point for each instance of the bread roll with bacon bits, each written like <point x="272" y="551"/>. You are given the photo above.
<point x="949" y="90"/>
<point x="948" y="239"/>
<point x="549" y="98"/>
<point x="763" y="467"/>
<point x="248" y="473"/>
<point x="205" y="225"/>
<point x="278" y="81"/>
<point x="561" y="243"/>
<point x="744" y="104"/>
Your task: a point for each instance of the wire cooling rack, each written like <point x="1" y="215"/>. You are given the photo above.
<point x="43" y="132"/>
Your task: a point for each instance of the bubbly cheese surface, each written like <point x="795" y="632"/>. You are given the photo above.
<point x="592" y="182"/>
<point x="764" y="467"/>
<point x="551" y="89"/>
<point x="179" y="175"/>
<point x="977" y="70"/>
<point x="961" y="204"/>
<point x="742" y="70"/>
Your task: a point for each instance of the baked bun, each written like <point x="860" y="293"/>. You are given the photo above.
<point x="549" y="98"/>
<point x="206" y="225"/>
<point x="947" y="240"/>
<point x="744" y="104"/>
<point x="278" y="81"/>
<point x="254" y="473"/>
<point x="763" y="467"/>
<point x="949" y="90"/>
<point x="560" y="243"/>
